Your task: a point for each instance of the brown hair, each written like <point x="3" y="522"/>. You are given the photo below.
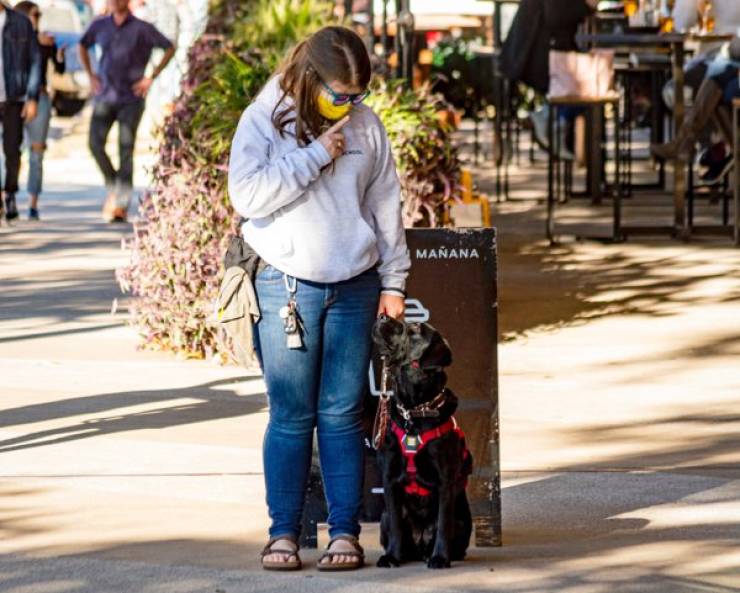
<point x="332" y="53"/>
<point x="26" y="7"/>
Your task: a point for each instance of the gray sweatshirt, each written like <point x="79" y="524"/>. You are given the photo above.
<point x="318" y="225"/>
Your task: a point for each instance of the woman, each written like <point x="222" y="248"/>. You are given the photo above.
<point x="538" y="27"/>
<point x="312" y="171"/>
<point x="712" y="103"/>
<point x="37" y="129"/>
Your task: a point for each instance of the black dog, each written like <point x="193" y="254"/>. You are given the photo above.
<point x="422" y="455"/>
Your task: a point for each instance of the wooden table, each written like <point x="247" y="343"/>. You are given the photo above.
<point x="676" y="43"/>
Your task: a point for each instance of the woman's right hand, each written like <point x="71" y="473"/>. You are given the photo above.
<point x="46" y="39"/>
<point x="333" y="138"/>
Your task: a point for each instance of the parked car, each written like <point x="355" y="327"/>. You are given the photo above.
<point x="66" y="22"/>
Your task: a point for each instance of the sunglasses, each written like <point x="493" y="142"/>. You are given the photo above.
<point x="344" y="98"/>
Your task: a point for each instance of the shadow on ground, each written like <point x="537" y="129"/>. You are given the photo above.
<point x="594" y="549"/>
<point x="544" y="288"/>
<point x="213" y="403"/>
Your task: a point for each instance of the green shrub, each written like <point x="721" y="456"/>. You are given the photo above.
<point x="185" y="218"/>
<point x="427" y="160"/>
<point x="464" y="78"/>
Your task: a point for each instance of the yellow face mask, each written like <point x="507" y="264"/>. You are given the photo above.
<point x="329" y="110"/>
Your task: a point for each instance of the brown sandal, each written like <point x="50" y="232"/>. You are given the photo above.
<point x="358" y="554"/>
<point x="285" y="564"/>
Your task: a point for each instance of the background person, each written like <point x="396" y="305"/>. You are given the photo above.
<point x="120" y="88"/>
<point x="20" y="77"/>
<point x="711" y="104"/>
<point x="540" y="26"/>
<point x="710" y="59"/>
<point x="312" y="170"/>
<point x="37" y="129"/>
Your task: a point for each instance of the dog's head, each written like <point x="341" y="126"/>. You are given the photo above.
<point x="418" y="354"/>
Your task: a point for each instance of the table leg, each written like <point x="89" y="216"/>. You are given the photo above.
<point x="550" y="229"/>
<point x="597" y="153"/>
<point x="628" y="134"/>
<point x="617" y="204"/>
<point x="736" y="172"/>
<point x="679" y="164"/>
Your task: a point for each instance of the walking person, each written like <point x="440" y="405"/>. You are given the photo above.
<point x="120" y="88"/>
<point x="37" y="129"/>
<point x="312" y="172"/>
<point x="20" y="69"/>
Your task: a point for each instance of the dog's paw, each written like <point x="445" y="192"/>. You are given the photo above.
<point x="438" y="562"/>
<point x="388" y="561"/>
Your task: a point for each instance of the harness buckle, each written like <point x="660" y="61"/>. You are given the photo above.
<point x="412" y="442"/>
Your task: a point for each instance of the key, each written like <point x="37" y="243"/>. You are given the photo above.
<point x="294" y="340"/>
<point x="290" y="324"/>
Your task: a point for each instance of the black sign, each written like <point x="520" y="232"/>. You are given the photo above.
<point x="452" y="286"/>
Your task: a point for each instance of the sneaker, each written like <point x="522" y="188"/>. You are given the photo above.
<point x="539" y="125"/>
<point x="11" y="211"/>
<point x="119" y="215"/>
<point x="716" y="172"/>
<point x="109" y="207"/>
<point x="33" y="214"/>
<point x="712" y="154"/>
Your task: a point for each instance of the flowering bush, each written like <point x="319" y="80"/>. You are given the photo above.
<point x="427" y="160"/>
<point x="185" y="218"/>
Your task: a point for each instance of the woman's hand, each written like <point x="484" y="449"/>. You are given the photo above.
<point x="392" y="305"/>
<point x="29" y="110"/>
<point x="333" y="139"/>
<point x="46" y="39"/>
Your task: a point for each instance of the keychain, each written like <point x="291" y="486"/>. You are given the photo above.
<point x="292" y="324"/>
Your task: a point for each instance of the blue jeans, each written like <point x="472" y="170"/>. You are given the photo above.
<point x="128" y="116"/>
<point x="731" y="91"/>
<point x="37" y="131"/>
<point x="318" y="386"/>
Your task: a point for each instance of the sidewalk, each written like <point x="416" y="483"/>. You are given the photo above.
<point x="123" y="470"/>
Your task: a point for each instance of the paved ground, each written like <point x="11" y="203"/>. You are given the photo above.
<point x="123" y="470"/>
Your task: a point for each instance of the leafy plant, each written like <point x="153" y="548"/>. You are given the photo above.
<point x="276" y="25"/>
<point x="464" y="78"/>
<point x="427" y="160"/>
<point x="185" y="218"/>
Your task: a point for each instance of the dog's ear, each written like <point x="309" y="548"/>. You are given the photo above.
<point x="438" y="352"/>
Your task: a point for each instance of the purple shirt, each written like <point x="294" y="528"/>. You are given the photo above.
<point x="126" y="53"/>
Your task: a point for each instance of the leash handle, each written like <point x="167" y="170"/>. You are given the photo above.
<point x="382" y="417"/>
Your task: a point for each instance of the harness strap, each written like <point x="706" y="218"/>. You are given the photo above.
<point x="409" y="453"/>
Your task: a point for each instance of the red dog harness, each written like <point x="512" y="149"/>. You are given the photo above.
<point x="411" y="444"/>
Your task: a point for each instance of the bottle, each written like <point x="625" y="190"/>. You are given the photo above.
<point x="665" y="17"/>
<point x="707" y="18"/>
<point x="647" y="9"/>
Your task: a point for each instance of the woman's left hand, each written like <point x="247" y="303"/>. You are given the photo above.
<point x="392" y="305"/>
